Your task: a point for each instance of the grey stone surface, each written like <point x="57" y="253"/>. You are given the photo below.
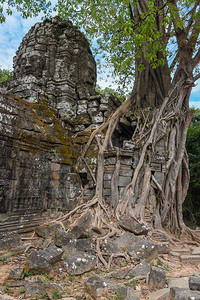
<point x="79" y="263"/>
<point x="190" y="258"/>
<point x="37" y="263"/>
<point x="9" y="240"/>
<point x="194" y="283"/>
<point x="130" y="225"/>
<point x="196" y="251"/>
<point x="35" y="288"/>
<point x="110" y="246"/>
<point x="52" y="254"/>
<point x="183" y="294"/>
<point x="46" y="231"/>
<point x="126" y="239"/>
<point x="163" y="248"/>
<point x="143" y="249"/>
<point x="15" y="273"/>
<point x="179" y="282"/>
<point x="96" y="287"/>
<point x="162" y="294"/>
<point x="142" y="269"/>
<point x="157" y="278"/>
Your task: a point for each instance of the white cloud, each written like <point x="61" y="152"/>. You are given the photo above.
<point x="195" y="104"/>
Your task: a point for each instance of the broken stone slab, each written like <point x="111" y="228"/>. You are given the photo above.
<point x="9" y="240"/>
<point x="123" y="292"/>
<point x="162" y="294"/>
<point x="6" y="297"/>
<point x="125" y="240"/>
<point x="179" y="282"/>
<point x="61" y="237"/>
<point x="183" y="294"/>
<point x="37" y="263"/>
<point x="143" y="249"/>
<point x="159" y="236"/>
<point x="194" y="283"/>
<point x="15" y="273"/>
<point x="75" y="245"/>
<point x="46" y="231"/>
<point x="190" y="258"/>
<point x="79" y="263"/>
<point x="33" y="288"/>
<point x="157" y="278"/>
<point x="52" y="254"/>
<point x="110" y="246"/>
<point x="182" y="251"/>
<point x="175" y="255"/>
<point x="130" y="225"/>
<point x="142" y="269"/>
<point x="96" y="287"/>
<point x="163" y="248"/>
<point x="196" y="251"/>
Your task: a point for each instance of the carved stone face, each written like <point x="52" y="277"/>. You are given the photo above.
<point x="54" y="60"/>
<point x="55" y="50"/>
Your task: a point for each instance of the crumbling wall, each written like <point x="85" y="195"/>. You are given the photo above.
<point x="47" y="114"/>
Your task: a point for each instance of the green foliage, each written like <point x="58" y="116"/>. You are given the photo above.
<point x="5" y="75"/>
<point x="109" y="90"/>
<point x="27" y="8"/>
<point x="57" y="294"/>
<point x="191" y="205"/>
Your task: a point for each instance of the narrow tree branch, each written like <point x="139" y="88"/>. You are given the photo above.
<point x="197" y="77"/>
<point x="196" y="59"/>
<point x="192" y="12"/>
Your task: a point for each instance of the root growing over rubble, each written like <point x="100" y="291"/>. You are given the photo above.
<point x="157" y="202"/>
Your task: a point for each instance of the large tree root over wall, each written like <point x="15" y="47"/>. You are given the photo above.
<point x="145" y="195"/>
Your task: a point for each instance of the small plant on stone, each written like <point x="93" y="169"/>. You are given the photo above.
<point x="166" y="268"/>
<point x="57" y="294"/>
<point x="6" y="288"/>
<point x="119" y="295"/>
<point x="71" y="277"/>
<point x="159" y="262"/>
<point x="3" y="258"/>
<point x="39" y="279"/>
<point x="22" y="290"/>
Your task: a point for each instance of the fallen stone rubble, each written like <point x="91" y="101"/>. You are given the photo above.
<point x="57" y="259"/>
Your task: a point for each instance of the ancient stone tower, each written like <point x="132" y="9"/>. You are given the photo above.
<point x="50" y="101"/>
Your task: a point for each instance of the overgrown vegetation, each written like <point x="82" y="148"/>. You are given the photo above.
<point x="5" y="75"/>
<point x="191" y="207"/>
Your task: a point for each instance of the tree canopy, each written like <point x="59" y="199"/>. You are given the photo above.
<point x="122" y="30"/>
<point x="5" y="75"/>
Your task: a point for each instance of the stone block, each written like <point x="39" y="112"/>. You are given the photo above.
<point x="52" y="254"/>
<point x="110" y="246"/>
<point x="194" y="283"/>
<point x="143" y="249"/>
<point x="37" y="263"/>
<point x="126" y="239"/>
<point x="196" y="251"/>
<point x="130" y="225"/>
<point x="162" y="294"/>
<point x="106" y="192"/>
<point x="79" y="263"/>
<point x="183" y="294"/>
<point x="9" y="240"/>
<point x="124" y="181"/>
<point x="96" y="287"/>
<point x="46" y="231"/>
<point x="157" y="278"/>
<point x="106" y="184"/>
<point x="126" y="171"/>
<point x="182" y="282"/>
<point x="141" y="269"/>
<point x="190" y="258"/>
<point x="163" y="248"/>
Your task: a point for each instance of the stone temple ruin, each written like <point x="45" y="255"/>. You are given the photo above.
<point x="46" y="116"/>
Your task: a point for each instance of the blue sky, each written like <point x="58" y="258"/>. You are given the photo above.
<point x="12" y="32"/>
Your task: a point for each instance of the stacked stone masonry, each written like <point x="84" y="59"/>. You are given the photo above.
<point x="46" y="116"/>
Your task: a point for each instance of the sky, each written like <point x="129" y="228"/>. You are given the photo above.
<point x="14" y="29"/>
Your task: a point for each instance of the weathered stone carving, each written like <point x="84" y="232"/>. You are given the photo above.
<point x="46" y="115"/>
